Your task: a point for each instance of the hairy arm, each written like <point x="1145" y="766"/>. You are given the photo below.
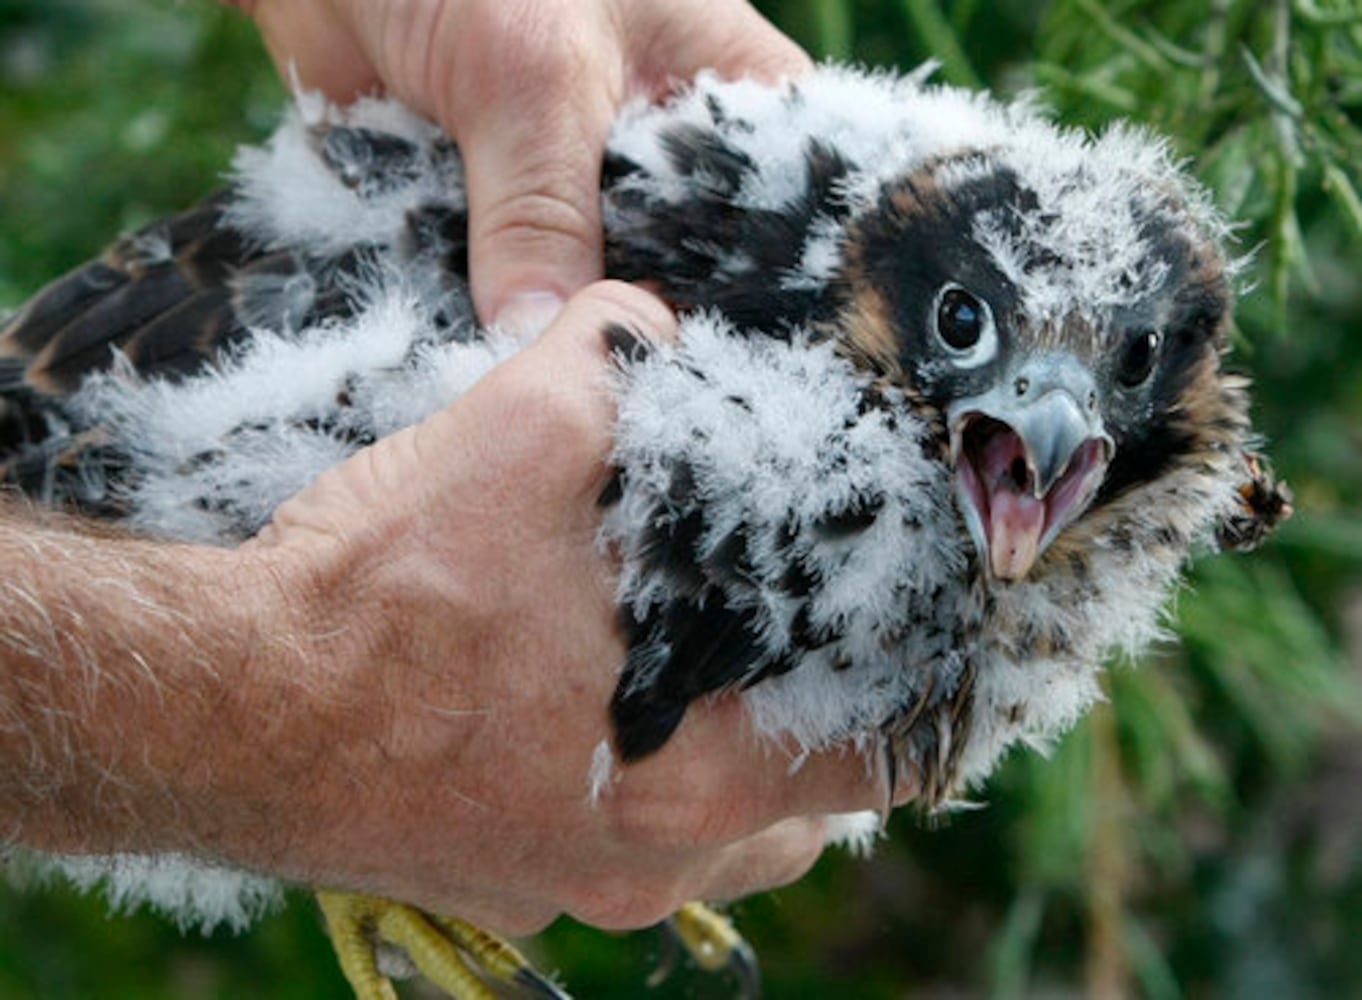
<point x="127" y="669"/>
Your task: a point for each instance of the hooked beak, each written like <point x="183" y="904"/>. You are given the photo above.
<point x="1029" y="456"/>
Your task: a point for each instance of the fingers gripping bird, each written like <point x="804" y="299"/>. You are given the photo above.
<point x="946" y="417"/>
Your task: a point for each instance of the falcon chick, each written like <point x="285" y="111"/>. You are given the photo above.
<point x="946" y="417"/>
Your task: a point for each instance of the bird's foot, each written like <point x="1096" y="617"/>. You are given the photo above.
<point x="713" y="943"/>
<point x="453" y="954"/>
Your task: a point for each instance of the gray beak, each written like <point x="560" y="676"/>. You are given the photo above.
<point x="1029" y="454"/>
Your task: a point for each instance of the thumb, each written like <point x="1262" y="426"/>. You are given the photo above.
<point x="532" y="121"/>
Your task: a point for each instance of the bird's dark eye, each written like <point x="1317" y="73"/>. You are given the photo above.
<point x="1137" y="363"/>
<point x="960" y="319"/>
<point x="964" y="325"/>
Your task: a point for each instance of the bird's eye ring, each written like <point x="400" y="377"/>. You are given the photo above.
<point x="1138" y="360"/>
<point x="964" y="326"/>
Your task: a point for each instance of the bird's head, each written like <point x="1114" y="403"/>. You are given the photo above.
<point x="1055" y="304"/>
<point x="1062" y="319"/>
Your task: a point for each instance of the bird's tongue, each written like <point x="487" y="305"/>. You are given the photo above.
<point x="1016" y="519"/>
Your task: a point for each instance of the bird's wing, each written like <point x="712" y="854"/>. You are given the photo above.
<point x="162" y="298"/>
<point x="778" y="512"/>
<point x="173" y="298"/>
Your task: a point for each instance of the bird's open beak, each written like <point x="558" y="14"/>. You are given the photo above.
<point x="1029" y="456"/>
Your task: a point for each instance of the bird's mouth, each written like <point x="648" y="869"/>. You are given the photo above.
<point x="1013" y="513"/>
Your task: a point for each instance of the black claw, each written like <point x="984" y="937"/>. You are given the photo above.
<point x="613" y="492"/>
<point x="671" y="953"/>
<point x="891" y="771"/>
<point x="626" y="344"/>
<point x="743" y="962"/>
<point x="539" y="984"/>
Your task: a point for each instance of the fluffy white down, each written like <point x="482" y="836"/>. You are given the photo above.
<point x="196" y="894"/>
<point x="250" y="412"/>
<point x="856" y="832"/>
<point x="289" y="197"/>
<point x="786" y="455"/>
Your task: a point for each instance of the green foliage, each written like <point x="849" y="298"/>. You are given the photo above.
<point x="1195" y="837"/>
<point x="114" y="113"/>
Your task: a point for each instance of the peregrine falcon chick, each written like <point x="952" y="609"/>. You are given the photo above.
<point x="947" y="415"/>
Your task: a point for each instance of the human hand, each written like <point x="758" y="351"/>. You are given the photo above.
<point x="398" y="687"/>
<point x="528" y="90"/>
<point x="458" y="656"/>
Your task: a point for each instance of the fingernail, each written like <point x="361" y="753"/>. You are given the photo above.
<point x="527" y="314"/>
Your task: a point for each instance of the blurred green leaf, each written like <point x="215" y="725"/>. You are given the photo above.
<point x="937" y="33"/>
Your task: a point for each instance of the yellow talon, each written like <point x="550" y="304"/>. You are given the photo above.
<point x="456" y="955"/>
<point x="447" y="951"/>
<point x="345" y="917"/>
<point x="497" y="955"/>
<point x="433" y="953"/>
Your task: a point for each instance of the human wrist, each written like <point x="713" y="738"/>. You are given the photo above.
<point x="309" y="730"/>
<point x="284" y="751"/>
<point x="231" y="760"/>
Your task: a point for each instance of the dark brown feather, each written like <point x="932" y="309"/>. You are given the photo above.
<point x="163" y="297"/>
<point x="160" y="295"/>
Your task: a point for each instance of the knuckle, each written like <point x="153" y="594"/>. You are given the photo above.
<point x="538" y="229"/>
<point x="770" y="862"/>
<point x="516" y="52"/>
<point x="801" y="855"/>
<point x="626" y="906"/>
<point x="620" y="302"/>
<point x="789" y="859"/>
<point x="540" y="214"/>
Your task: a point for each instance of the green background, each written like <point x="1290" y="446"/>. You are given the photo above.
<point x="1201" y="836"/>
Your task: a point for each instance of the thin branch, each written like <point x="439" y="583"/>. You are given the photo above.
<point x="1275" y="91"/>
<point x="1107" y="863"/>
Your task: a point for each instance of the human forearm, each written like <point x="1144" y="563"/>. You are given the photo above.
<point x="125" y="680"/>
